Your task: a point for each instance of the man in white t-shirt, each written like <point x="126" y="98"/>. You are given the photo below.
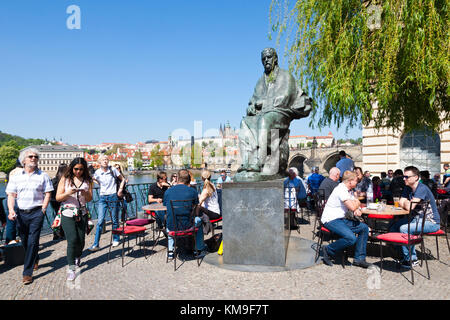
<point x="333" y="218"/>
<point x="106" y="177"/>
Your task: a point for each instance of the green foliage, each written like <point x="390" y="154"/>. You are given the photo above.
<point x="345" y="67"/>
<point x="192" y="156"/>
<point x="352" y="141"/>
<point x="8" y="157"/>
<point x="157" y="156"/>
<point x="10" y="147"/>
<point x="114" y="149"/>
<point x="18" y="142"/>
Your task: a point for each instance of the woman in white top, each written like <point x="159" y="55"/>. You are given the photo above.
<point x="208" y="199"/>
<point x="74" y="191"/>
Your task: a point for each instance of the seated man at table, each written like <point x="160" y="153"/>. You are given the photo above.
<point x="333" y="218"/>
<point x="182" y="191"/>
<point x="156" y="195"/>
<point x="331" y="182"/>
<point x="363" y="183"/>
<point x="416" y="191"/>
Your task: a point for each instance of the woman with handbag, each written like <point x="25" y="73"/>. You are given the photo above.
<point x="74" y="191"/>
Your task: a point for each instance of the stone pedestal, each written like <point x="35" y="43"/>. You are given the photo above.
<point x="255" y="227"/>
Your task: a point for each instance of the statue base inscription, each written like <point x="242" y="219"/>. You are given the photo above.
<point x="248" y="176"/>
<point x="255" y="227"/>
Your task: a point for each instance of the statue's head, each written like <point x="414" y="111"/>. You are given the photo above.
<point x="269" y="59"/>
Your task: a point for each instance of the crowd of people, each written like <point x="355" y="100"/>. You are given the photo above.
<point x="347" y="186"/>
<point x="30" y="191"/>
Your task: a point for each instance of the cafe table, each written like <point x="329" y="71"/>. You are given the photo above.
<point x="389" y="212"/>
<point x="154" y="207"/>
<point x="150" y="209"/>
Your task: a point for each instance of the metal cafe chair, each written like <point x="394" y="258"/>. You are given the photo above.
<point x="407" y="239"/>
<point x="136" y="221"/>
<point x="442" y="232"/>
<point x="124" y="230"/>
<point x="183" y="226"/>
<point x="319" y="201"/>
<point x="322" y="233"/>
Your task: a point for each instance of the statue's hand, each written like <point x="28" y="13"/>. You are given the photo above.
<point x="251" y="110"/>
<point x="279" y="102"/>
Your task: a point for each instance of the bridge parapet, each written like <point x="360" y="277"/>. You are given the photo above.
<point x="327" y="157"/>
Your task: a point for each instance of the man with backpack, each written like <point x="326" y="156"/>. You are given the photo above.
<point x="105" y="177"/>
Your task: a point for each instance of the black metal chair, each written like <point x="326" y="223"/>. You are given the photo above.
<point x="183" y="226"/>
<point x="322" y="233"/>
<point x="407" y="239"/>
<point x="442" y="232"/>
<point x="124" y="230"/>
<point x="319" y="204"/>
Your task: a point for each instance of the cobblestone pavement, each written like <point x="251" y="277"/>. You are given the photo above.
<point x="153" y="278"/>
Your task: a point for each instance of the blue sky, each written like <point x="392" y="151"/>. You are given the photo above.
<point x="135" y="71"/>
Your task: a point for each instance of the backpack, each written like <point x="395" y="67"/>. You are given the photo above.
<point x="126" y="195"/>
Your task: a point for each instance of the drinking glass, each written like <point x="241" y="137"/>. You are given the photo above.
<point x="396" y="201"/>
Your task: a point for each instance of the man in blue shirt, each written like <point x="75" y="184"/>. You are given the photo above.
<point x="315" y="180"/>
<point x="344" y="163"/>
<point x="416" y="191"/>
<point x="182" y="191"/>
<point x="222" y="179"/>
<point x="294" y="192"/>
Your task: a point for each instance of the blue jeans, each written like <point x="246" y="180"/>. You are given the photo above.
<point x="402" y="226"/>
<point x="30" y="226"/>
<point x="11" y="230"/>
<point x="112" y="202"/>
<point x="11" y="226"/>
<point x="346" y="230"/>
<point x="160" y="218"/>
<point x="199" y="243"/>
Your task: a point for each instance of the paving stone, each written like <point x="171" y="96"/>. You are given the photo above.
<point x="153" y="278"/>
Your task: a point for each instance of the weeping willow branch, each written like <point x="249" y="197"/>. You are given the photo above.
<point x="345" y="64"/>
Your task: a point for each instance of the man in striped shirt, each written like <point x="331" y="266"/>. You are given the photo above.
<point x="31" y="188"/>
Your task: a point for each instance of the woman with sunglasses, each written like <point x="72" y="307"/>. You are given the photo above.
<point x="74" y="191"/>
<point x="173" y="179"/>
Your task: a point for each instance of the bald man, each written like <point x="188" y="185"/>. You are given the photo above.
<point x="330" y="182"/>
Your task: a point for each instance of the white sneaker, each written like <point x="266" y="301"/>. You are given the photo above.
<point x="12" y="242"/>
<point x="115" y="243"/>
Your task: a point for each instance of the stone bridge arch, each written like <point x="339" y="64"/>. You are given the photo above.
<point x="297" y="160"/>
<point x="330" y="161"/>
<point x="324" y="158"/>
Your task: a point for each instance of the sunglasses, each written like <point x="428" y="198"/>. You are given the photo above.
<point x="31" y="157"/>
<point x="407" y="177"/>
<point x="78" y="169"/>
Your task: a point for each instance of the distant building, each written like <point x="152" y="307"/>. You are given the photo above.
<point x="386" y="149"/>
<point x="295" y="142"/>
<point x="52" y="156"/>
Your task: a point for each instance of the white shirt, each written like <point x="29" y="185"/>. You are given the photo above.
<point x="106" y="180"/>
<point x="212" y="203"/>
<point x="30" y="189"/>
<point x="335" y="207"/>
